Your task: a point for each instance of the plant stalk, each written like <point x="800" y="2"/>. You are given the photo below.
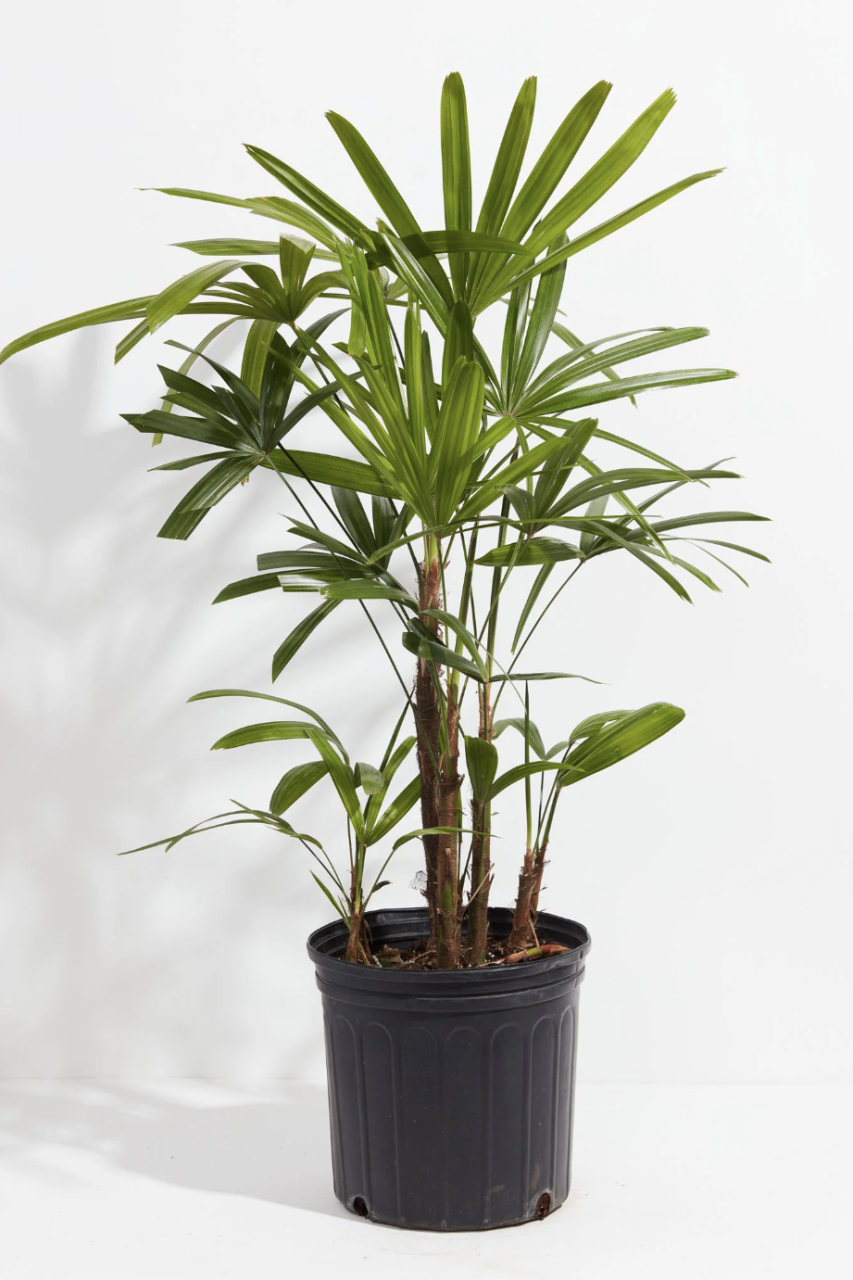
<point x="481" y="866"/>
<point x="481" y="874"/>
<point x="448" y="845"/>
<point x="538" y="869"/>
<point x="429" y="754"/>
<point x="522" y="917"/>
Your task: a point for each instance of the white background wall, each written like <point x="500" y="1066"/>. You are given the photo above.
<point x="714" y="871"/>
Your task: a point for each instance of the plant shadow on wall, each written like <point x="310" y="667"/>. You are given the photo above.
<point x="272" y="1147"/>
<point x="77" y="580"/>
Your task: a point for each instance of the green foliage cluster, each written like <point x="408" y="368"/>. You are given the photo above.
<point x="444" y="448"/>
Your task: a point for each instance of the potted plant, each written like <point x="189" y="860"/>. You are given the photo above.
<point x="451" y="1029"/>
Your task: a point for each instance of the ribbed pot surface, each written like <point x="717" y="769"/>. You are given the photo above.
<point x="450" y="1093"/>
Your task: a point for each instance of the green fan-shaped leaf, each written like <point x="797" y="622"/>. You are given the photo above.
<point x="342" y="776"/>
<point x="316" y="199"/>
<point x="428" y="649"/>
<point x="369" y="778"/>
<point x="270" y="731"/>
<point x="617" y="741"/>
<point x="456" y="169"/>
<point x="526" y="728"/>
<point x="132" y="309"/>
<point x="288" y="649"/>
<point x="481" y="758"/>
<point x="171" y="300"/>
<point x="210" y="490"/>
<point x="295" y="783"/>
<point x="269" y="697"/>
<point x="324" y="468"/>
<point x="532" y="551"/>
<point x="249" y="586"/>
<point x="396" y="811"/>
<point x="522" y="771"/>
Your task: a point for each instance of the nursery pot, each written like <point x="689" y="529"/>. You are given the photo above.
<point x="451" y="1091"/>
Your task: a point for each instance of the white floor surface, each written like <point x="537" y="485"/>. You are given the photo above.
<point x="184" y="1179"/>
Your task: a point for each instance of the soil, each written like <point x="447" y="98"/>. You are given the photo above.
<point x="419" y="955"/>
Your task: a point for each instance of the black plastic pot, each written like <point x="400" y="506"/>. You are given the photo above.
<point x="450" y="1093"/>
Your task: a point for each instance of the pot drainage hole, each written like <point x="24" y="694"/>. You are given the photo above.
<point x="359" y="1206"/>
<point x="543" y="1206"/>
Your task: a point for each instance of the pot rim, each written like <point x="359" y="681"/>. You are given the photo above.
<point x="325" y="946"/>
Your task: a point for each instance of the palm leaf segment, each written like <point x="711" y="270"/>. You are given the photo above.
<point x="487" y="261"/>
<point x="444" y="450"/>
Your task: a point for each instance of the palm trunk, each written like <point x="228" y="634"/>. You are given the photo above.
<point x="429" y="752"/>
<point x="481" y="866"/>
<point x="538" y="869"/>
<point x="527" y="902"/>
<point x="481" y="872"/>
<point x="355" y="946"/>
<point x="522" y="917"/>
<point x="440" y="783"/>
<point x="448" y="847"/>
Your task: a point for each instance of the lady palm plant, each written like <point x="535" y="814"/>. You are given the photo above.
<point x="447" y="453"/>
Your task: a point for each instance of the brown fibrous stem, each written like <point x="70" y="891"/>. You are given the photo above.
<point x="438" y="761"/>
<point x="520" y="934"/>
<point x="448" y="845"/>
<point x="428" y="726"/>
<point x="481" y="866"/>
<point x="538" y="869"/>
<point x="527" y="902"/>
<point x="357" y="951"/>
